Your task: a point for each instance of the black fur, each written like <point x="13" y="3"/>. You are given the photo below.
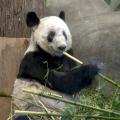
<point x="62" y="15"/>
<point x="32" y="19"/>
<point x="65" y="35"/>
<point x="62" y="76"/>
<point x="50" y="36"/>
<point x="22" y="118"/>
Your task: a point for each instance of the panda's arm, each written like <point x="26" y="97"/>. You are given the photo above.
<point x="32" y="67"/>
<point x="74" y="80"/>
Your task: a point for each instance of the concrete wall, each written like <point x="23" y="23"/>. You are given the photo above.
<point x="96" y="32"/>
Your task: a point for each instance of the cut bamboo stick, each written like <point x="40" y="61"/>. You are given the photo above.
<point x="56" y="114"/>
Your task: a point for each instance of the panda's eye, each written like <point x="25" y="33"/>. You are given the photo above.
<point x="65" y="35"/>
<point x="50" y="36"/>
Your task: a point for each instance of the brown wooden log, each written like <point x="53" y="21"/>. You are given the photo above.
<point x="12" y="16"/>
<point x="11" y="53"/>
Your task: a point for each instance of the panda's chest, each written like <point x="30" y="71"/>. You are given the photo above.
<point x="54" y="63"/>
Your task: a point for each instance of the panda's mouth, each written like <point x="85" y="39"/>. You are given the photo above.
<point x="57" y="52"/>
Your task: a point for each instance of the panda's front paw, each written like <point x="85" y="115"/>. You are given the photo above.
<point x="85" y="74"/>
<point x="21" y="118"/>
<point x="98" y="65"/>
<point x="89" y="71"/>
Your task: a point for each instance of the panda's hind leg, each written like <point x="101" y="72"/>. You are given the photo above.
<point x="21" y="118"/>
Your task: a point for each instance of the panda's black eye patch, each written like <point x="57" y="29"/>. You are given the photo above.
<point x="65" y="35"/>
<point x="50" y="36"/>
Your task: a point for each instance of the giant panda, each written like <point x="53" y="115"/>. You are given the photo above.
<point x="45" y="67"/>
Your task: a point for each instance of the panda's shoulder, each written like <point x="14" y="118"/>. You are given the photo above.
<point x="35" y="55"/>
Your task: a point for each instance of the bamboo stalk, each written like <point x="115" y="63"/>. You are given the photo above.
<point x="59" y="115"/>
<point x="101" y="75"/>
<point x="45" y="108"/>
<point x="110" y="80"/>
<point x="13" y="97"/>
<point x="73" y="58"/>
<point x="70" y="102"/>
<point x="5" y="95"/>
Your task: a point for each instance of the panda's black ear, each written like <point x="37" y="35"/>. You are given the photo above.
<point x="62" y="15"/>
<point x="32" y="19"/>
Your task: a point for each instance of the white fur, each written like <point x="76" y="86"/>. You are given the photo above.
<point x="40" y="33"/>
<point x="36" y="87"/>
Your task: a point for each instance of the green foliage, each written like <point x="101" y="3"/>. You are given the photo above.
<point x="115" y="4"/>
<point x="96" y="99"/>
<point x="108" y="1"/>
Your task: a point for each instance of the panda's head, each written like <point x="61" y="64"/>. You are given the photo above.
<point x="50" y="33"/>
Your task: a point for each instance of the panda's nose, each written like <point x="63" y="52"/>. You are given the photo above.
<point x="62" y="48"/>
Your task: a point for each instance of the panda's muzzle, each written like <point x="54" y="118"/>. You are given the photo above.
<point x="62" y="48"/>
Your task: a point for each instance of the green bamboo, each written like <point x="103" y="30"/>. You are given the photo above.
<point x="70" y="102"/>
<point x="5" y="95"/>
<point x="45" y="108"/>
<point x="73" y="58"/>
<point x="59" y="115"/>
<point x="13" y="97"/>
<point x="109" y="80"/>
<point x="101" y="75"/>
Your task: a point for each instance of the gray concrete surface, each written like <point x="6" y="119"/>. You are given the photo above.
<point x="96" y="32"/>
